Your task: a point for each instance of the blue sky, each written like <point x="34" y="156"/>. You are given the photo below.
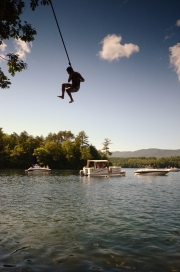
<point x="128" y="51"/>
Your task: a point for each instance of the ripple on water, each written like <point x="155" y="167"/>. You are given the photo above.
<point x="61" y="221"/>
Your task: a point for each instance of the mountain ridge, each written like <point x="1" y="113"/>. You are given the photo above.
<point x="150" y="152"/>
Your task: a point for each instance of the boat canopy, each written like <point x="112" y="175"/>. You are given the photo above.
<point x="97" y="163"/>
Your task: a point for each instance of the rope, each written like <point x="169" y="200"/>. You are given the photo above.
<point x="60" y="32"/>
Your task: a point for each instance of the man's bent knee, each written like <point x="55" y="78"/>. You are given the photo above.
<point x="68" y="89"/>
<point x="66" y="85"/>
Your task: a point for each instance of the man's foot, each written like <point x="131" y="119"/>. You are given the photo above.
<point x="71" y="101"/>
<point x="60" y="96"/>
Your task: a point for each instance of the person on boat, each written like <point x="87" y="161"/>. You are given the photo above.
<point x="76" y="79"/>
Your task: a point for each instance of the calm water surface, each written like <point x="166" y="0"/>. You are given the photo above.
<point x="60" y="221"/>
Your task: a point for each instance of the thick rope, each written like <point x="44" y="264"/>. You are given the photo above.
<point x="60" y="32"/>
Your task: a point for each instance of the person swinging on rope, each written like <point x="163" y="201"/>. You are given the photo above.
<point x="76" y="79"/>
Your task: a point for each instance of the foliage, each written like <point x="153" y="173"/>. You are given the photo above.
<point x="35" y="3"/>
<point x="63" y="150"/>
<point x="60" y="151"/>
<point x="105" y="148"/>
<point x="142" y="161"/>
<point x="11" y="26"/>
<point x="14" y="64"/>
<point x="4" y="81"/>
<point x="96" y="155"/>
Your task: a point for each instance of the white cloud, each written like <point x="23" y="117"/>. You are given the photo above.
<point x="175" y="58"/>
<point x="112" y="49"/>
<point x="3" y="47"/>
<point x="22" y="48"/>
<point x="178" y="22"/>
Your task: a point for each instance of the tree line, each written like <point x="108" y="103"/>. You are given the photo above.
<point x="144" y="161"/>
<point x="63" y="150"/>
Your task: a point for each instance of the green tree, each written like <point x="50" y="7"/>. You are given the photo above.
<point x="55" y="154"/>
<point x="1" y="140"/>
<point x="2" y="149"/>
<point x="95" y="154"/>
<point x="18" y="157"/>
<point x="11" y="26"/>
<point x="9" y="142"/>
<point x="105" y="149"/>
<point x="82" y="138"/>
<point x="42" y="155"/>
<point x="82" y="150"/>
<point x="60" y="137"/>
<point x="68" y="150"/>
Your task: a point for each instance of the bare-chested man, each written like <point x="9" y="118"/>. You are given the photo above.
<point x="76" y="78"/>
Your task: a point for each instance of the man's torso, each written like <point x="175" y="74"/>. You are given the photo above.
<point x="76" y="79"/>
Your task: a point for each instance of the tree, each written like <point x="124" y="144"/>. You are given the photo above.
<point x="18" y="156"/>
<point x="42" y="155"/>
<point x="82" y="138"/>
<point x="56" y="155"/>
<point x="95" y="154"/>
<point x="1" y="148"/>
<point x="11" y="26"/>
<point x="60" y="137"/>
<point x="105" y="148"/>
<point x="85" y="153"/>
<point x="81" y="151"/>
<point x="68" y="150"/>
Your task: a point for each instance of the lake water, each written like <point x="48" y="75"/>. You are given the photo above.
<point x="60" y="221"/>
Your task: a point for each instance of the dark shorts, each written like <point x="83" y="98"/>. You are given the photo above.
<point x="73" y="89"/>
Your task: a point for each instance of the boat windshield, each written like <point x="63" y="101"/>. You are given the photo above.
<point x="97" y="164"/>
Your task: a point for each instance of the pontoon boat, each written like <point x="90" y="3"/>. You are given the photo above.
<point x="101" y="168"/>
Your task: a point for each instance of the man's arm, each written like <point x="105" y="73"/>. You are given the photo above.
<point x="70" y="78"/>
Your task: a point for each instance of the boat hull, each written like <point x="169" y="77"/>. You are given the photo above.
<point x="101" y="168"/>
<point x="38" y="169"/>
<point x="122" y="174"/>
<point x="174" y="170"/>
<point x="104" y="172"/>
<point x="151" y="172"/>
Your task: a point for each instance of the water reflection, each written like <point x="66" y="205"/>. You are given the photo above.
<point x="37" y="173"/>
<point x="64" y="222"/>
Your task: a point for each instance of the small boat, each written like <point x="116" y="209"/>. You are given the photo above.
<point x="38" y="168"/>
<point x="151" y="171"/>
<point x="101" y="168"/>
<point x="173" y="169"/>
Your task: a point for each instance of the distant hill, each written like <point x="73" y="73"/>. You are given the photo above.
<point x="151" y="152"/>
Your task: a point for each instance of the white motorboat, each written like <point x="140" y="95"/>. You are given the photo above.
<point x="38" y="168"/>
<point x="101" y="168"/>
<point x="173" y="169"/>
<point x="151" y="171"/>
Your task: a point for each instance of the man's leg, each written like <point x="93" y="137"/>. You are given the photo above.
<point x="64" y="86"/>
<point x="68" y="90"/>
